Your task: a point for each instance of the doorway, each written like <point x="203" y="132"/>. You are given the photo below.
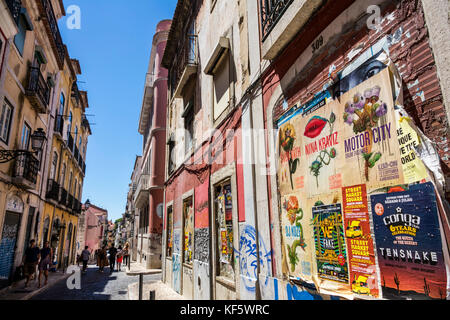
<point x="8" y="247"/>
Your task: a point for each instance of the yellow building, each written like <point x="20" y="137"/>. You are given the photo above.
<point x="38" y="95"/>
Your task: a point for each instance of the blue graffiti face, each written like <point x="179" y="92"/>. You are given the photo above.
<point x="248" y="258"/>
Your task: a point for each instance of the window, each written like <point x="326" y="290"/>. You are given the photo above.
<point x="171" y="156"/>
<point x="63" y="175"/>
<point x="70" y="182"/>
<point x="188" y="115"/>
<point x="54" y="165"/>
<point x="69" y="127"/>
<point x="25" y="139"/>
<point x="75" y="135"/>
<point x="5" y="121"/>
<point x="221" y="88"/>
<point x="75" y="188"/>
<point x="188" y="216"/>
<point x="223" y="208"/>
<point x="169" y="232"/>
<point x="62" y="103"/>
<point x="19" y="39"/>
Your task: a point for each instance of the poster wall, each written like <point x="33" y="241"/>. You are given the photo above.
<point x="357" y="216"/>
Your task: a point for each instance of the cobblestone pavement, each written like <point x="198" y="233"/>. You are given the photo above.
<point x="96" y="286"/>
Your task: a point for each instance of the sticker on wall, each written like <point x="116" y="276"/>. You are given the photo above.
<point x="371" y="149"/>
<point x="409" y="244"/>
<point x="361" y="256"/>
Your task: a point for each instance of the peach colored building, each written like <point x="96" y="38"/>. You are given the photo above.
<point x="91" y="228"/>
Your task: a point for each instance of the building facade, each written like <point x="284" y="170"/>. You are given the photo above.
<point x="35" y="71"/>
<point x="149" y="195"/>
<point x="92" y="229"/>
<point x="258" y="196"/>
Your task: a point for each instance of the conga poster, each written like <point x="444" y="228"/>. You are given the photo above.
<point x="409" y="244"/>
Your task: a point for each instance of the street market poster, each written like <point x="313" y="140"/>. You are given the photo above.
<point x="409" y="244"/>
<point x="361" y="256"/>
<point x="370" y="145"/>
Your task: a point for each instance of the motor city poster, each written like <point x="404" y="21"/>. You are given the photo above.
<point x="409" y="244"/>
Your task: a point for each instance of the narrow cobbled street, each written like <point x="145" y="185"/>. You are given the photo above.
<point x="95" y="286"/>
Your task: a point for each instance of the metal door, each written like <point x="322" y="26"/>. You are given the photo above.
<point x="8" y="246"/>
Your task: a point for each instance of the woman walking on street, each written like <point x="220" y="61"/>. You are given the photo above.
<point x="126" y="253"/>
<point x="44" y="264"/>
<point x="102" y="260"/>
<point x="119" y="258"/>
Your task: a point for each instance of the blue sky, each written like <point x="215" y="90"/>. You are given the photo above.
<point x="113" y="46"/>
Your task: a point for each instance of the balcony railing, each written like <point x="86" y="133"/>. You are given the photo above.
<point x="187" y="56"/>
<point x="38" y="90"/>
<point x="14" y="7"/>
<point x="76" y="154"/>
<point x="75" y="96"/>
<point x="26" y="167"/>
<point x="52" y="190"/>
<point x="59" y="124"/>
<point x="271" y="12"/>
<point x="143" y="187"/>
<point x="51" y="25"/>
<point x="69" y="201"/>
<point x="70" y="142"/>
<point x="63" y="197"/>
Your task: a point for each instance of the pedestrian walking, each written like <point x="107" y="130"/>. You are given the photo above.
<point x="85" y="255"/>
<point x="102" y="261"/>
<point x="119" y="259"/>
<point x="126" y="253"/>
<point x="44" y="264"/>
<point x="112" y="257"/>
<point x="30" y="261"/>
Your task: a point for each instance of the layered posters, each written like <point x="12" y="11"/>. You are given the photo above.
<point x="409" y="244"/>
<point x="363" y="271"/>
<point x="369" y="134"/>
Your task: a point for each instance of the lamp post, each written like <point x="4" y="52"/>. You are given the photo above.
<point x="38" y="139"/>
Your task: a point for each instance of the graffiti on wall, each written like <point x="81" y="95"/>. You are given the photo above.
<point x="202" y="245"/>
<point x="248" y="255"/>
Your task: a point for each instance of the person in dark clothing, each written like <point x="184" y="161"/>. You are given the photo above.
<point x="46" y="261"/>
<point x="30" y="260"/>
<point x="85" y="255"/>
<point x="112" y="257"/>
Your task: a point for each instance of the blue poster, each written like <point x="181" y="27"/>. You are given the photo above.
<point x="409" y="244"/>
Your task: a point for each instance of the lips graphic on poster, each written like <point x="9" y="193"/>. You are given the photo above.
<point x="409" y="245"/>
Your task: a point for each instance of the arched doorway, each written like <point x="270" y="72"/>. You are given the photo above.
<point x="68" y="247"/>
<point x="54" y="240"/>
<point x="45" y="231"/>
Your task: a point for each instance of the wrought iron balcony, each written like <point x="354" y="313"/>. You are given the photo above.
<point x="14" y="7"/>
<point x="63" y="197"/>
<point x="59" y="125"/>
<point x="271" y="13"/>
<point x="52" y="190"/>
<point x="26" y="170"/>
<point x="75" y="96"/>
<point x="69" y="203"/>
<point x="76" y="206"/>
<point x="76" y="154"/>
<point x="185" y="63"/>
<point x="51" y="25"/>
<point x="38" y="90"/>
<point x="70" y="142"/>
